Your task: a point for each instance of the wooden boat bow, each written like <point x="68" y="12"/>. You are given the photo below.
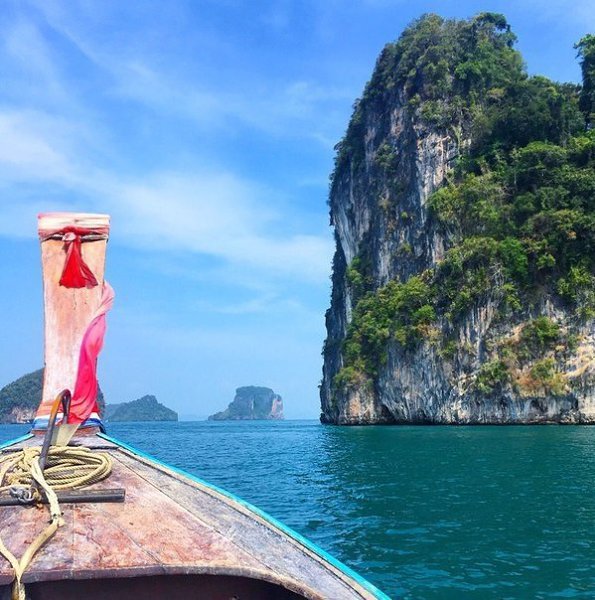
<point x="171" y="528"/>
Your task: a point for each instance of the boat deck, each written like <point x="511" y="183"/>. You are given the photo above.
<point x="170" y="524"/>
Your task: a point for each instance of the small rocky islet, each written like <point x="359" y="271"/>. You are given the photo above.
<point x="252" y="403"/>
<point x="462" y="201"/>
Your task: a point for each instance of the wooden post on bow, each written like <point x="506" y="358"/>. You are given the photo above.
<point x="69" y="308"/>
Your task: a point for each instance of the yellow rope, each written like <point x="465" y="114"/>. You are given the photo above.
<point x="66" y="468"/>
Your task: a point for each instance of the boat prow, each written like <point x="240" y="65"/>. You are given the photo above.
<point x="174" y="536"/>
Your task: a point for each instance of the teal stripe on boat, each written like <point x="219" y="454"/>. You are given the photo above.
<point x="17" y="441"/>
<point x="287" y="530"/>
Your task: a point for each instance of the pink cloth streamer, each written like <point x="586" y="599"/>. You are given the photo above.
<point x="84" y="398"/>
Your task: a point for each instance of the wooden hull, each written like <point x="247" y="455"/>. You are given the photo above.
<point x="175" y="536"/>
<point x="169" y="587"/>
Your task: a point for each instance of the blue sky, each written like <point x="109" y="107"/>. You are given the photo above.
<point x="206" y="129"/>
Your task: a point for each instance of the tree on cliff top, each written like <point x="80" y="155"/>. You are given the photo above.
<point x="586" y="52"/>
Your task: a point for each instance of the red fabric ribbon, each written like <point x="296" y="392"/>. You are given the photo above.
<point x="76" y="272"/>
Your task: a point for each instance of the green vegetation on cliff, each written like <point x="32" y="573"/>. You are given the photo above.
<point x="19" y="400"/>
<point x="517" y="210"/>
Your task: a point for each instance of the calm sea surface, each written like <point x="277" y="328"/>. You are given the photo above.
<point x="422" y="512"/>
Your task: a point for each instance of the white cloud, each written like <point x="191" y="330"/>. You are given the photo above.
<point x="569" y="11"/>
<point x="219" y="215"/>
<point x="30" y="147"/>
<point x="34" y="72"/>
<point x="278" y="106"/>
<point x="269" y="303"/>
<point x="58" y="155"/>
<point x="214" y="213"/>
<point x="295" y="109"/>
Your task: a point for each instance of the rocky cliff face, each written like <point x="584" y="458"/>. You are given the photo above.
<point x="385" y="226"/>
<point x="402" y="346"/>
<point x="252" y="403"/>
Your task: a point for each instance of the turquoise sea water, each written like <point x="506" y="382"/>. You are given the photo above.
<point x="422" y="512"/>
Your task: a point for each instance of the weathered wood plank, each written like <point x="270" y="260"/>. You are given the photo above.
<point x="280" y="553"/>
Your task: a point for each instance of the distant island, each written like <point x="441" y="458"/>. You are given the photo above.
<point x="252" y="403"/>
<point x="144" y="409"/>
<point x="19" y="400"/>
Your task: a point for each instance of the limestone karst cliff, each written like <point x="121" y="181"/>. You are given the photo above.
<point x="463" y="207"/>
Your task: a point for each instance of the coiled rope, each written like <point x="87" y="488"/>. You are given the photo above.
<point x="66" y="468"/>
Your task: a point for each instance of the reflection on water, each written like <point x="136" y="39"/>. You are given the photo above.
<point x="423" y="512"/>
